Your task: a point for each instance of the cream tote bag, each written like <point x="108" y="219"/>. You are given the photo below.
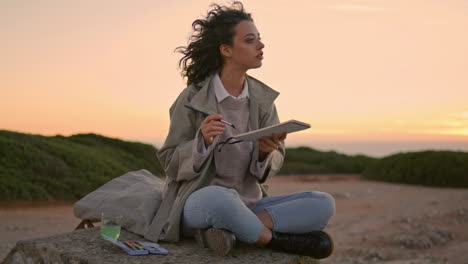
<point x="136" y="196"/>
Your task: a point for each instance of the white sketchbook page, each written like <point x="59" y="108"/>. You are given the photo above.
<point x="288" y="126"/>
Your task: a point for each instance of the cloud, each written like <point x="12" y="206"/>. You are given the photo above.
<point x="459" y="116"/>
<point x="364" y="8"/>
<point x="450" y="124"/>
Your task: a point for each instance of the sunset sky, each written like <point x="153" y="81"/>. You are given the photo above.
<point x="360" y="72"/>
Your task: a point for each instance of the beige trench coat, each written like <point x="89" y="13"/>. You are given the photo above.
<point x="176" y="153"/>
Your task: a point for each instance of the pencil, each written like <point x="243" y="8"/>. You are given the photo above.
<point x="138" y="243"/>
<point x="134" y="243"/>
<point x="125" y="244"/>
<point x="129" y="244"/>
<point x="205" y="113"/>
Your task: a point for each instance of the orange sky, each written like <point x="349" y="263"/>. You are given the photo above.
<point x="355" y="70"/>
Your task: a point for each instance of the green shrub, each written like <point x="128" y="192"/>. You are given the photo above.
<point x="304" y="160"/>
<point x="35" y="167"/>
<point x="430" y="168"/>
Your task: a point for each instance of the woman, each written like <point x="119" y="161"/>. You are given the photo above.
<point x="213" y="190"/>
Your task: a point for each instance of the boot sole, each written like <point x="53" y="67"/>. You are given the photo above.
<point x="332" y="245"/>
<point x="218" y="240"/>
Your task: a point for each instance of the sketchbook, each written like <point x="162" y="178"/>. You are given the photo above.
<point x="288" y="127"/>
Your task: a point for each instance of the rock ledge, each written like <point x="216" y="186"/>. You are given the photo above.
<point x="86" y="247"/>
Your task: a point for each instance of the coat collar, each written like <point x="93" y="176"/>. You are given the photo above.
<point x="205" y="97"/>
<point x="261" y="96"/>
<point x="222" y="93"/>
<point x="261" y="93"/>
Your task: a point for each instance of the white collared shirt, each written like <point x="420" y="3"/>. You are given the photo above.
<point x="221" y="92"/>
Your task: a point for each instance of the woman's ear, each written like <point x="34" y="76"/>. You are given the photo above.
<point x="225" y="50"/>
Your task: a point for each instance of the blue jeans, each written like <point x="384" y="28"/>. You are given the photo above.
<point x="220" y="207"/>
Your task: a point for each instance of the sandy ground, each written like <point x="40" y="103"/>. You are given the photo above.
<point x="374" y="222"/>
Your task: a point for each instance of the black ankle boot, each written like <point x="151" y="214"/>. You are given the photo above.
<point x="317" y="244"/>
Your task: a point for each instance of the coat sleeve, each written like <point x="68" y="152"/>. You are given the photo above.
<point x="274" y="160"/>
<point x="176" y="153"/>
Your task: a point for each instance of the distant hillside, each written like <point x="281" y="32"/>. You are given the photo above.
<point x="431" y="168"/>
<point x="303" y="160"/>
<point x="35" y="167"/>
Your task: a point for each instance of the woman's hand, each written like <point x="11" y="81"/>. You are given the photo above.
<point x="268" y="144"/>
<point x="212" y="127"/>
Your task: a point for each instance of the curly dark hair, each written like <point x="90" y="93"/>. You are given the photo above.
<point x="202" y="56"/>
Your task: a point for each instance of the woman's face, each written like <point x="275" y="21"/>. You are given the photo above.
<point x="246" y="50"/>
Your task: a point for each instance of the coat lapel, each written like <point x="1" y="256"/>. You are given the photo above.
<point x="261" y="99"/>
<point x="205" y="98"/>
<point x="253" y="105"/>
